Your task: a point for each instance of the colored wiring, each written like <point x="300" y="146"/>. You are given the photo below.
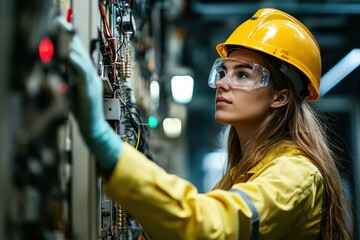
<point x="138" y="140"/>
<point x="114" y="44"/>
<point x="109" y="39"/>
<point x="131" y="126"/>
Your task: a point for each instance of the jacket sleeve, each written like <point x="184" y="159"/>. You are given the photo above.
<point x="169" y="207"/>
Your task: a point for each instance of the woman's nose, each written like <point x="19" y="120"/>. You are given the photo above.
<point x="222" y="84"/>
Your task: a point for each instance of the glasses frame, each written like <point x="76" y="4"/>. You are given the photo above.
<point x="220" y="62"/>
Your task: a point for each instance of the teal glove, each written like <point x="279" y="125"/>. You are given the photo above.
<point x="101" y="139"/>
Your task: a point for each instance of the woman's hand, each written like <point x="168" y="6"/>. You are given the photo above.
<point x="87" y="107"/>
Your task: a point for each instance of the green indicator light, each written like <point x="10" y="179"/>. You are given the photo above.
<point x="153" y="122"/>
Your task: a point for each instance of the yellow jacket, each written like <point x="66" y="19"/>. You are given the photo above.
<point x="281" y="200"/>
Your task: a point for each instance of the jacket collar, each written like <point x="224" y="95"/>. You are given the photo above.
<point x="281" y="149"/>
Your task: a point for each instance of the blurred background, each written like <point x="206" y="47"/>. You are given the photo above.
<point x="172" y="45"/>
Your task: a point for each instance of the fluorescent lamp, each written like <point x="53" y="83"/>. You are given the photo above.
<point x="337" y="73"/>
<point x="172" y="127"/>
<point x="154" y="90"/>
<point x="154" y="95"/>
<point x="182" y="88"/>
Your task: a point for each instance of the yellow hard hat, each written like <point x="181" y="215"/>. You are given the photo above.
<point x="280" y="35"/>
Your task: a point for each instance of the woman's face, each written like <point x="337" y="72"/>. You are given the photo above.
<point x="242" y="107"/>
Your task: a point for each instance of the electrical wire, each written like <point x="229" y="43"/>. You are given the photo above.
<point x="138" y="140"/>
<point x="109" y="39"/>
<point x="114" y="44"/>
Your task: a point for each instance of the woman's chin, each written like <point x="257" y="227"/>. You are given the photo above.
<point x="221" y="119"/>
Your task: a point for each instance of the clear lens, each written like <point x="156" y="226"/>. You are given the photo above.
<point x="238" y="73"/>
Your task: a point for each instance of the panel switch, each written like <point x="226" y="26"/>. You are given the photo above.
<point x="112" y="108"/>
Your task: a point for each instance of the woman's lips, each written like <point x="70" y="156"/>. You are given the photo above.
<point x="222" y="100"/>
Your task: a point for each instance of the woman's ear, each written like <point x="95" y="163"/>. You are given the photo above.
<point x="280" y="98"/>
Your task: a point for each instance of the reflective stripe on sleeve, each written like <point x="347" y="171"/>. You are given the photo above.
<point x="255" y="215"/>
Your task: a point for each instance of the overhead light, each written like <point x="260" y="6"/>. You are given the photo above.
<point x="154" y="90"/>
<point x="182" y="88"/>
<point x="154" y="95"/>
<point x="337" y="73"/>
<point x="172" y="127"/>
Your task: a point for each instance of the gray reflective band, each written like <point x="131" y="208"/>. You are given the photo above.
<point x="255" y="215"/>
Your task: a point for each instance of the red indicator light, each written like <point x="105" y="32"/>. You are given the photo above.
<point x="46" y="50"/>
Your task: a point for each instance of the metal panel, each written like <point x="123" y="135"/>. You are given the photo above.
<point x="84" y="185"/>
<point x="6" y="15"/>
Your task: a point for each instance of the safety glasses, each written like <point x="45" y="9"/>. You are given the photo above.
<point x="238" y="73"/>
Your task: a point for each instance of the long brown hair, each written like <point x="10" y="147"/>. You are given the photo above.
<point x="300" y="124"/>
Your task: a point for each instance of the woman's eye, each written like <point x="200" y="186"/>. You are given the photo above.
<point x="243" y="75"/>
<point x="221" y="74"/>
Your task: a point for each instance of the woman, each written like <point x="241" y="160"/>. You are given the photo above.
<point x="281" y="181"/>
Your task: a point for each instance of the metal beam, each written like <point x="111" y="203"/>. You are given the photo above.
<point x="291" y="7"/>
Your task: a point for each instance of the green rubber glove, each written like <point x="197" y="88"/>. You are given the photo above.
<point x="101" y="139"/>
